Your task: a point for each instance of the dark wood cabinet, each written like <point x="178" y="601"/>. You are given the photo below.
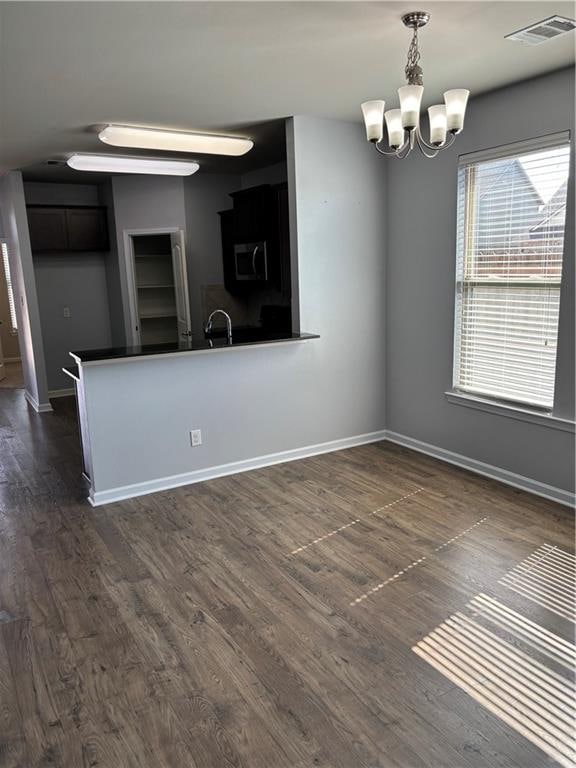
<point x="254" y="214"/>
<point x="259" y="216"/>
<point x="47" y="229"/>
<point x="59" y="229"/>
<point x="87" y="229"/>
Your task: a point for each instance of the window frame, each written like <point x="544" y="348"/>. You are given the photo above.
<point x="476" y="399"/>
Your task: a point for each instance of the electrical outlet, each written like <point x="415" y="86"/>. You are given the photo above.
<point x="195" y="437"/>
<point x="67" y="312"/>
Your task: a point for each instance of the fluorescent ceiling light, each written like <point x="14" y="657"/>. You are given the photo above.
<point x="175" y="141"/>
<point x="115" y="164"/>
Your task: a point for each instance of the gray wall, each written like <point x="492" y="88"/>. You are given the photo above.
<point x="271" y="174"/>
<point x="253" y="402"/>
<point x="421" y="252"/>
<point x="48" y="193"/>
<point x="204" y="196"/>
<point x="15" y="228"/>
<point x="74" y="280"/>
<point x="79" y="283"/>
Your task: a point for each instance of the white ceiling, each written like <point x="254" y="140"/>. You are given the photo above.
<point x="68" y="66"/>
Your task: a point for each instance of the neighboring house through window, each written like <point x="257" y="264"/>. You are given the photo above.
<point x="511" y="217"/>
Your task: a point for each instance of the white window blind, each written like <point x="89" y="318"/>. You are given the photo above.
<point x="511" y="216"/>
<point x="11" y="304"/>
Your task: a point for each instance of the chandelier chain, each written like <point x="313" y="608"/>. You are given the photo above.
<point x="413" y="70"/>
<point x="413" y="51"/>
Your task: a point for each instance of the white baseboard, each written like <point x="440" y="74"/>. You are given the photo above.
<point x="38" y="407"/>
<point x="61" y="392"/>
<point x="12" y="359"/>
<point x="488" y="470"/>
<point x="97" y="498"/>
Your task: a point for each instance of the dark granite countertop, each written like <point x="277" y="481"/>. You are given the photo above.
<point x="241" y="337"/>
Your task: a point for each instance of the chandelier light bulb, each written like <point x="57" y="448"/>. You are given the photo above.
<point x="438" y="124"/>
<point x="403" y="125"/>
<point x="410" y="101"/>
<point x="394" y="125"/>
<point x="373" y="112"/>
<point x="456" y="101"/>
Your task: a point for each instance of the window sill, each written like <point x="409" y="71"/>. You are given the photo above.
<point x="510" y="411"/>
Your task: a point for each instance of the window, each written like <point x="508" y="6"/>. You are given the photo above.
<point x="511" y="215"/>
<point x="11" y="304"/>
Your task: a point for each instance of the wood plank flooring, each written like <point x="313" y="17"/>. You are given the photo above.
<point x="14" y="378"/>
<point x="370" y="608"/>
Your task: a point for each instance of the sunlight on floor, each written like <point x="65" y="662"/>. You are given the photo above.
<point x="546" y="577"/>
<point x="516" y="668"/>
<point x="532" y="634"/>
<point x="357" y="520"/>
<point x="415" y="563"/>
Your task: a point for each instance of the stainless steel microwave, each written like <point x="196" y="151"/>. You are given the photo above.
<point x="251" y="262"/>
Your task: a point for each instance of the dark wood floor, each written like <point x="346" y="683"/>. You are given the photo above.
<point x="344" y="611"/>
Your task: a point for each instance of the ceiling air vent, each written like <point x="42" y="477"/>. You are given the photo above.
<point x="543" y="31"/>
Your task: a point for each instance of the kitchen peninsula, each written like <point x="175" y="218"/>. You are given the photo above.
<point x="161" y="393"/>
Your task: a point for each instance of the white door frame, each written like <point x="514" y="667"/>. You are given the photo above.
<point x="181" y="287"/>
<point x="130" y="275"/>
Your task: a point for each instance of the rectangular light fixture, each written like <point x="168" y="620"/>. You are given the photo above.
<point x="116" y="164"/>
<point x="174" y="141"/>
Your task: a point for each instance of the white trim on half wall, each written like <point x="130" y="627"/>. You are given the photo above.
<point x="96" y="498"/>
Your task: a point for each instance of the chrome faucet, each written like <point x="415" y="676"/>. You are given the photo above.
<point x="208" y="326"/>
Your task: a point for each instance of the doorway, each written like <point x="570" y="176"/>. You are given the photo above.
<point x="158" y="287"/>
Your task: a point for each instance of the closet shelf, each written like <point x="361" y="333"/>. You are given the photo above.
<point x="155" y="315"/>
<point x="156" y="285"/>
<point x="152" y="255"/>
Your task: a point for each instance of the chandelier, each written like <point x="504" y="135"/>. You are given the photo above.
<point x="403" y="125"/>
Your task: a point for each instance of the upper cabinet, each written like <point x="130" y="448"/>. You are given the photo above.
<point x="87" y="229"/>
<point x="255" y="214"/>
<point x="47" y="228"/>
<point x="67" y="229"/>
